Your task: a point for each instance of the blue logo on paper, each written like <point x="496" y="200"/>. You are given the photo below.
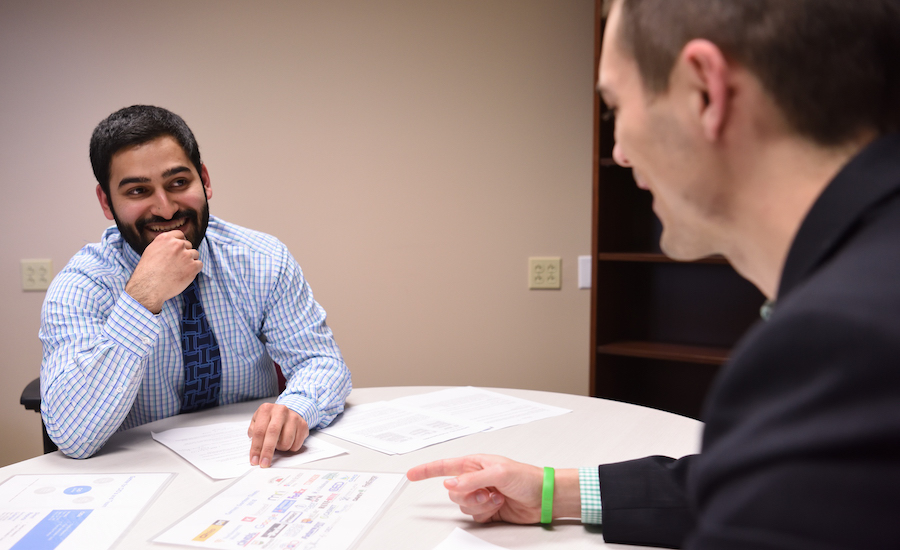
<point x="77" y="489"/>
<point x="52" y="530"/>
<point x="283" y="507"/>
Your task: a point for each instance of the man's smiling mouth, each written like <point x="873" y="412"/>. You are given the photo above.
<point x="163" y="227"/>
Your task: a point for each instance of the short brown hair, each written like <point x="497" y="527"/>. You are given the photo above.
<point x="832" y="66"/>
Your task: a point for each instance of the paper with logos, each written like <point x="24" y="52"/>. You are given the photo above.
<point x="410" y="423"/>
<point x="288" y="508"/>
<point x="222" y="451"/>
<point x="70" y="511"/>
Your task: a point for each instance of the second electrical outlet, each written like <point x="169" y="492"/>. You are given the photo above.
<point x="544" y="272"/>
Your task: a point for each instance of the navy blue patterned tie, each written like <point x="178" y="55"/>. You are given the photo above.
<point x="202" y="364"/>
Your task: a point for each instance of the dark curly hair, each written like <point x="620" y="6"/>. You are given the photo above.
<point x="136" y="125"/>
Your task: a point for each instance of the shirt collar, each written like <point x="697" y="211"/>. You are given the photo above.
<point x="870" y="177"/>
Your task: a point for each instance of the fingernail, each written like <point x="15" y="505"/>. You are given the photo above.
<point x="480" y="498"/>
<point x="452" y="482"/>
<point x="265" y="463"/>
<point x="496" y="498"/>
<point x="254" y="460"/>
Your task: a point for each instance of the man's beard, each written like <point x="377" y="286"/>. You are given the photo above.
<point x="195" y="232"/>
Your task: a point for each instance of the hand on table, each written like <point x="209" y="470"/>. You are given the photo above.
<point x="489" y="487"/>
<point x="275" y="427"/>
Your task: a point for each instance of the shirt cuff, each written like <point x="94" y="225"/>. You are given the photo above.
<point x="304" y="406"/>
<point x="591" y="508"/>
<point x="132" y="326"/>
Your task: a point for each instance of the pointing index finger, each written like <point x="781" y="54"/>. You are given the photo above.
<point x="438" y="468"/>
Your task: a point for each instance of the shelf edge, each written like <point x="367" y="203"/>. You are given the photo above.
<point x="666" y="352"/>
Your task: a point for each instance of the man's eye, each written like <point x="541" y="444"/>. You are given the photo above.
<point x="135" y="191"/>
<point x="179" y="183"/>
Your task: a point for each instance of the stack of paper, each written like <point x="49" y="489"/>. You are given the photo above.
<point x="222" y="451"/>
<point x="409" y="423"/>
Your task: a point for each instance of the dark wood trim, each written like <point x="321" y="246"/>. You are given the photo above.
<point x="654" y="257"/>
<point x="667" y="352"/>
<point x="595" y="216"/>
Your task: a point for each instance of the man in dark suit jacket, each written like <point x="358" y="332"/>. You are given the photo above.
<point x="766" y="131"/>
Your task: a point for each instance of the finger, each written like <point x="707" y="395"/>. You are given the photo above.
<point x="252" y="421"/>
<point x="272" y="434"/>
<point x="175" y="234"/>
<point x="473" y="499"/>
<point x="294" y="428"/>
<point x="438" y="468"/>
<point x="288" y="432"/>
<point x="257" y="432"/>
<point x="301" y="432"/>
<point x="489" y="510"/>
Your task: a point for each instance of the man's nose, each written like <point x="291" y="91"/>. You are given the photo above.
<point x="163" y="205"/>
<point x="619" y="156"/>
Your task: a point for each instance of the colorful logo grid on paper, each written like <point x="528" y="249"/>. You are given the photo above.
<point x="202" y="364"/>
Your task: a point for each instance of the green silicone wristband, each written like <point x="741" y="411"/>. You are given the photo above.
<point x="547" y="495"/>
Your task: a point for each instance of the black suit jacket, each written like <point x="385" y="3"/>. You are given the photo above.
<point x="802" y="441"/>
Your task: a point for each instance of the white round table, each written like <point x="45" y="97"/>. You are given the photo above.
<point x="596" y="431"/>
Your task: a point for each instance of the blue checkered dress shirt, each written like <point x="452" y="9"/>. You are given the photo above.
<point x="110" y="364"/>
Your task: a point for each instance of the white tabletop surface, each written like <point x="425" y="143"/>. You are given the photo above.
<point x="597" y="431"/>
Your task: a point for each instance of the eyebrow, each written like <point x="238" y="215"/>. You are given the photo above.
<point x="126" y="181"/>
<point x="176" y="170"/>
<point x="167" y="174"/>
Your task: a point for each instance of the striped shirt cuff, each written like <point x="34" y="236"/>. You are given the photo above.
<point x="591" y="508"/>
<point x="304" y="406"/>
<point x="133" y="326"/>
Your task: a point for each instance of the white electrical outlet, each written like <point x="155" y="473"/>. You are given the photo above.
<point x="36" y="274"/>
<point x="544" y="272"/>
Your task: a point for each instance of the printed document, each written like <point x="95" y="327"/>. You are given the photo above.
<point x="394" y="428"/>
<point x="73" y="511"/>
<point x="410" y="423"/>
<point x="222" y="450"/>
<point x="288" y="508"/>
<point x="495" y="409"/>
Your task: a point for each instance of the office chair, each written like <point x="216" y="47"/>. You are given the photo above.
<point x="31" y="399"/>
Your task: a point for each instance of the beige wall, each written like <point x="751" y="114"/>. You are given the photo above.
<point x="412" y="154"/>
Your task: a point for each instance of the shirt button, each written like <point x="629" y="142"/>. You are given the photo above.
<point x="145" y="340"/>
<point x="120" y="389"/>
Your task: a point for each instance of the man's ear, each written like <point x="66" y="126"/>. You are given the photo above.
<point x="204" y="177"/>
<point x="104" y="203"/>
<point x="707" y="73"/>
